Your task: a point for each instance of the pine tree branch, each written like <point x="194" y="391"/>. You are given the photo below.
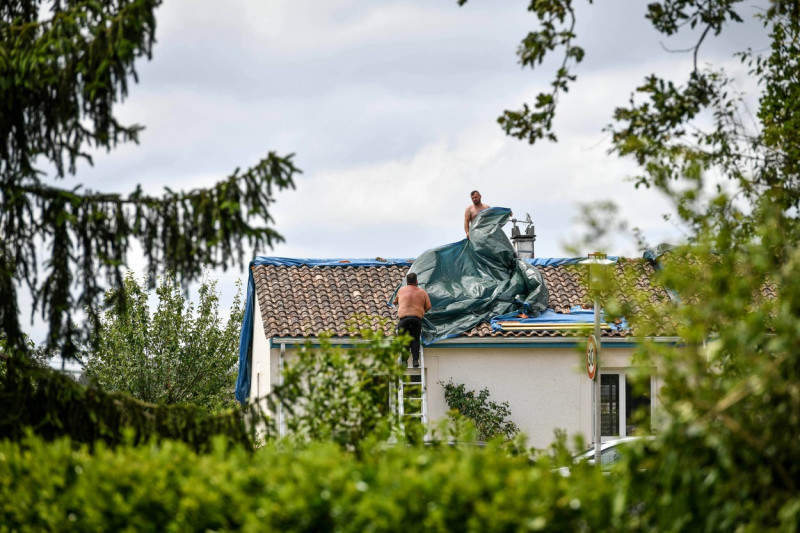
<point x="89" y="234"/>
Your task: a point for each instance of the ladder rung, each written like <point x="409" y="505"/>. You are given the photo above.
<point x="410" y="400"/>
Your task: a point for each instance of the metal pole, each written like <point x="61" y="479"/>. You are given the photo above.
<point x="595" y="261"/>
<point x="281" y="421"/>
<point x="597" y="432"/>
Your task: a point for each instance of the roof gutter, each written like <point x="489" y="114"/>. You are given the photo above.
<point x="491" y="342"/>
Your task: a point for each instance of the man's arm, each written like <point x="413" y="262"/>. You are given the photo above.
<point x="466" y="222"/>
<point x="427" y="305"/>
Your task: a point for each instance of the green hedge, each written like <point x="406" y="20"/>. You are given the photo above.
<point x="165" y="486"/>
<point x="53" y="405"/>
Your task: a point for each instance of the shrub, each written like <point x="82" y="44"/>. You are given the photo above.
<point x="490" y="418"/>
<point x="319" y="487"/>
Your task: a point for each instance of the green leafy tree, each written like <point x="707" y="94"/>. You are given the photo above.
<point x="726" y="457"/>
<point x="38" y="356"/>
<point x="63" y="71"/>
<point x="732" y="393"/>
<point x="179" y="354"/>
<point x="490" y="418"/>
<point x="341" y="395"/>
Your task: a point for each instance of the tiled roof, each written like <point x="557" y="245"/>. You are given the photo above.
<point x="300" y="301"/>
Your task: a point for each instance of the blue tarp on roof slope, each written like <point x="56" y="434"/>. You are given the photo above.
<point x="576" y="315"/>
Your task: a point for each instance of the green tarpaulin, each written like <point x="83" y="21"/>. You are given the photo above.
<point x="473" y="280"/>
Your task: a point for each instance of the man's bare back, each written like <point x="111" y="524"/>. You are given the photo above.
<point x="472" y="210"/>
<point x="412" y="301"/>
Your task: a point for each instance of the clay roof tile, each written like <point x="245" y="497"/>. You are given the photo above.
<point x="307" y="300"/>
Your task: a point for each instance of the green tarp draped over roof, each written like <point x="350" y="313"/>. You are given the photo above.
<point x="473" y="280"/>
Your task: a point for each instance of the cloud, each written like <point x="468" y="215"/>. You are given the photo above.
<point x="401" y="206"/>
<point x="391" y="110"/>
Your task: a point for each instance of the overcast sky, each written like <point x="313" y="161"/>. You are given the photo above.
<point x="391" y="108"/>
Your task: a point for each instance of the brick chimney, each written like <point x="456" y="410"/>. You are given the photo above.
<point x="523" y="242"/>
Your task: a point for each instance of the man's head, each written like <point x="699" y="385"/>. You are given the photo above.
<point x="411" y="278"/>
<point x="476" y="197"/>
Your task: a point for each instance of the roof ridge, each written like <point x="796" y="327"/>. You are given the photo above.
<point x="380" y="261"/>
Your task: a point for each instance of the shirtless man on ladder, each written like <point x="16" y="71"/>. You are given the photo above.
<point x="413" y="302"/>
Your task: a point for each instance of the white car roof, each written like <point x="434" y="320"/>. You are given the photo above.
<point x="606" y="445"/>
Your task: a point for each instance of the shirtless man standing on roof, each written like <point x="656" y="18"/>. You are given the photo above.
<point x="473" y="210"/>
<point x="413" y="302"/>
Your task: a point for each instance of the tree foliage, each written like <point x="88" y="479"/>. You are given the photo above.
<point x="732" y="395"/>
<point x="180" y="354"/>
<point x="40" y="401"/>
<point x="326" y="393"/>
<point x="329" y="393"/>
<point x="489" y="417"/>
<point x="63" y="73"/>
<point x="319" y="487"/>
<point x="726" y="457"/>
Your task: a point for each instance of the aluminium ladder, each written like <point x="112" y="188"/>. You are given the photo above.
<point x="412" y="392"/>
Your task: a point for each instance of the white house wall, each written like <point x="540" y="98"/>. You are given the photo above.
<point x="261" y="364"/>
<point x="541" y="385"/>
<point x="546" y="387"/>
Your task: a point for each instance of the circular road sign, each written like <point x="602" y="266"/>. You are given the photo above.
<point x="591" y="356"/>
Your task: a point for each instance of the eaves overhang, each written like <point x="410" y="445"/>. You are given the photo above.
<point x="482" y="342"/>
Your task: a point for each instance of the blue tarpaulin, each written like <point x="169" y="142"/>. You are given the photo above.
<point x="558" y="261"/>
<point x="475" y="279"/>
<point x="577" y="315"/>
